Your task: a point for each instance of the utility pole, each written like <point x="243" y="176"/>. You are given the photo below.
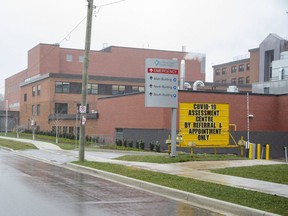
<point x="82" y="140"/>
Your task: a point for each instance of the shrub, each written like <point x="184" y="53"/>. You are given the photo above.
<point x="157" y="146"/>
<point x="130" y="143"/>
<point x="142" y="144"/>
<point x="125" y="143"/>
<point x="151" y="146"/>
<point x="119" y="142"/>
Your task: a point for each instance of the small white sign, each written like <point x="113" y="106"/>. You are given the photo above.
<point x="82" y="109"/>
<point x="161" y="83"/>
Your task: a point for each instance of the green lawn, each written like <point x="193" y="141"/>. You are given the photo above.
<point x="16" y="145"/>
<point x="257" y="200"/>
<point x="277" y="173"/>
<point x="179" y="158"/>
<point x="63" y="143"/>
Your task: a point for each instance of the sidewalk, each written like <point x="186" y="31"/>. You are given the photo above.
<point x="196" y="170"/>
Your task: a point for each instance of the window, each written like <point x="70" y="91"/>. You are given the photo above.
<point x="92" y="88"/>
<point x="65" y="130"/>
<point x="217" y="71"/>
<point x="233" y="80"/>
<point x="118" y="89"/>
<point x="224" y="70"/>
<point x="71" y="130"/>
<point x="33" y="110"/>
<point x="69" y="58"/>
<point x="240" y="80"/>
<point x="61" y="108"/>
<point x="224" y="81"/>
<point x="137" y="89"/>
<point x="25" y="97"/>
<point x="33" y="91"/>
<point x="38" y="109"/>
<point x="38" y="89"/>
<point x="241" y="68"/>
<point x="62" y="87"/>
<point x="81" y="59"/>
<point x="233" y="69"/>
<point x="247" y="66"/>
<point x="248" y="79"/>
<point x="266" y="90"/>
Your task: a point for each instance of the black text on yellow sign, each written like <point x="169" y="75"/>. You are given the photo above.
<point x="206" y="124"/>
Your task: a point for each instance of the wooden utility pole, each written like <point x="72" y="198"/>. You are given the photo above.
<point x="82" y="139"/>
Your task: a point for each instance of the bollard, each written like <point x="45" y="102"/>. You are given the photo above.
<point x="258" y="151"/>
<point x="250" y="151"/>
<point x="267" y="152"/>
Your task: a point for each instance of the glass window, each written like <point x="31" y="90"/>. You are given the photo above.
<point x="241" y="68"/>
<point x="248" y="79"/>
<point x="69" y="58"/>
<point x="65" y="130"/>
<point x="247" y="66"/>
<point x="33" y="91"/>
<point x="224" y="70"/>
<point x="38" y="89"/>
<point x="81" y="58"/>
<point x="137" y="89"/>
<point x="62" y="87"/>
<point x="233" y="80"/>
<point x="118" y="89"/>
<point x="240" y="80"/>
<point x="71" y="130"/>
<point x="92" y="88"/>
<point x="25" y="97"/>
<point x="61" y="108"/>
<point x="33" y="110"/>
<point x="217" y="71"/>
<point x="233" y="69"/>
<point x="38" y="109"/>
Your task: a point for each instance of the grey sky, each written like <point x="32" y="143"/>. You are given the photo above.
<point x="221" y="29"/>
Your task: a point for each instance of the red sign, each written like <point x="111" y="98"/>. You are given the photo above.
<point x="163" y="70"/>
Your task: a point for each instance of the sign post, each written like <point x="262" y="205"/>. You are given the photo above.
<point x="161" y="90"/>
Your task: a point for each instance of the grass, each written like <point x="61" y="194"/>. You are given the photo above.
<point x="257" y="200"/>
<point x="273" y="173"/>
<point x="63" y="143"/>
<point x="16" y="145"/>
<point x="180" y="158"/>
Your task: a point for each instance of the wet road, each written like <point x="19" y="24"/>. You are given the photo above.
<point x="30" y="187"/>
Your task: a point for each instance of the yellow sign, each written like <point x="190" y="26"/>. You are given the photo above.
<point x="205" y="124"/>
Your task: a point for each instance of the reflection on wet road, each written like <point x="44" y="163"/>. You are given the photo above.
<point x="30" y="187"/>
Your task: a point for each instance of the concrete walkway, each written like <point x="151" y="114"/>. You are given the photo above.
<point x="196" y="170"/>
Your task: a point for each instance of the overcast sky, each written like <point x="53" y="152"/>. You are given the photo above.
<point x="221" y="29"/>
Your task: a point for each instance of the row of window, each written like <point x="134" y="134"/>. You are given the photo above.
<point x="65" y="129"/>
<point x="239" y="80"/>
<point x="94" y="89"/>
<point x="241" y="68"/>
<point x="69" y="58"/>
<point x="60" y="108"/>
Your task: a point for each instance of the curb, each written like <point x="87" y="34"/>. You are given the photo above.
<point x="191" y="198"/>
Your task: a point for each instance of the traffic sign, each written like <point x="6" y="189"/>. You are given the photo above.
<point x="161" y="83"/>
<point x="82" y="109"/>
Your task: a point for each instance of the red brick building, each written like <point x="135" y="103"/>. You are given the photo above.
<point x="133" y="121"/>
<point x="48" y="92"/>
<point x="257" y="68"/>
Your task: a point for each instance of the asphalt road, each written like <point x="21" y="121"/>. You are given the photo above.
<point x="31" y="187"/>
